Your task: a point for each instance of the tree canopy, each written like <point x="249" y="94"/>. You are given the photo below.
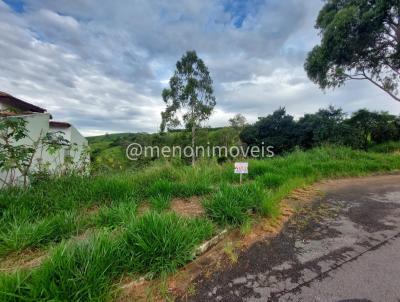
<point x="360" y="41"/>
<point x="190" y="90"/>
<point x="189" y="96"/>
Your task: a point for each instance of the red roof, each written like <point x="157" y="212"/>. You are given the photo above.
<point x="14" y="102"/>
<point x="59" y="124"/>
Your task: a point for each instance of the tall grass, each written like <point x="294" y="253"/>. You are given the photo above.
<point x="233" y="204"/>
<point x="42" y="214"/>
<point x="18" y="235"/>
<point x="82" y="271"/>
<point x="163" y="242"/>
<point x="85" y="271"/>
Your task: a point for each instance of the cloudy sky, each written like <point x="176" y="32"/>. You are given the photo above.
<point x="102" y="65"/>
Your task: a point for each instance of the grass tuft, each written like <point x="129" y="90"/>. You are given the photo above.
<point x="163" y="242"/>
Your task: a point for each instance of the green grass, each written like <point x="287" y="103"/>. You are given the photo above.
<point x="124" y="242"/>
<point x="118" y="215"/>
<point x="84" y="271"/>
<point x="18" y="235"/>
<point x="233" y="204"/>
<point x="388" y="147"/>
<point x="81" y="271"/>
<point x="164" y="242"/>
<point x="160" y="202"/>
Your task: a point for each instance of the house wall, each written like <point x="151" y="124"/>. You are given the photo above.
<point x="79" y="145"/>
<point x="38" y="126"/>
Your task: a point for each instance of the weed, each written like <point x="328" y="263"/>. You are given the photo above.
<point x="245" y="228"/>
<point x="230" y="251"/>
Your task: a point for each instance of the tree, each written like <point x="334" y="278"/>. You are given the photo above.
<point x="191" y="93"/>
<point x="238" y="121"/>
<point x="360" y="41"/>
<point x="277" y="129"/>
<point x="373" y="127"/>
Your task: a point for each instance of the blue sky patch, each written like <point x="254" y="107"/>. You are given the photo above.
<point x="16" y="5"/>
<point x="240" y="9"/>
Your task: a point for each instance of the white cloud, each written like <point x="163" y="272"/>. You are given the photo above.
<point x="102" y="65"/>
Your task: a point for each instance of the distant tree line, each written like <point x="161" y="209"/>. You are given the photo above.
<point x="361" y="130"/>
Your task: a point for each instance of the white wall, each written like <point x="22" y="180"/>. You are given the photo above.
<point x="38" y="126"/>
<point x="79" y="145"/>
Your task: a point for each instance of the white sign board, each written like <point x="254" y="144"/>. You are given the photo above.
<point x="241" y="168"/>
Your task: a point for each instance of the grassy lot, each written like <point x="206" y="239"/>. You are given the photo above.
<point x="86" y="265"/>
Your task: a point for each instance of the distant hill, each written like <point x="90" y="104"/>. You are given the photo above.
<point x="108" y="151"/>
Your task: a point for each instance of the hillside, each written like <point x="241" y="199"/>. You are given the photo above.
<point x="109" y="151"/>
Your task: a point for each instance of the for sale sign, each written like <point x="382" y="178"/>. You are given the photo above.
<point x="241" y="168"/>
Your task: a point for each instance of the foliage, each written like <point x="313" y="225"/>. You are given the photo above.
<point x="15" y="157"/>
<point x="191" y="90"/>
<point x="360" y="41"/>
<point x="327" y="126"/>
<point x="277" y="130"/>
<point x="238" y="121"/>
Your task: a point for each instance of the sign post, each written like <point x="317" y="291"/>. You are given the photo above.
<point x="241" y="168"/>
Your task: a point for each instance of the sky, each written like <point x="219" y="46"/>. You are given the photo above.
<point x="101" y="65"/>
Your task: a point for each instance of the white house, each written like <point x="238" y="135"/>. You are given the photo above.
<point x="70" y="156"/>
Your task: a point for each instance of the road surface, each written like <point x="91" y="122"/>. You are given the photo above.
<point x="345" y="246"/>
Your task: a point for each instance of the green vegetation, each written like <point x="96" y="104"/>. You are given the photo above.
<point x="359" y="41"/>
<point x="190" y="95"/>
<point x="362" y="130"/>
<point x="234" y="204"/>
<point x="124" y="241"/>
<point x="108" y="151"/>
<point x="162" y="243"/>
<point x="84" y="270"/>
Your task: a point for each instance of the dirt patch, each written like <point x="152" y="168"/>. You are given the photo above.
<point x="190" y="207"/>
<point x="26" y="259"/>
<point x="143" y="208"/>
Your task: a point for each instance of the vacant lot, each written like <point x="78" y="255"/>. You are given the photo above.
<point x="75" y="239"/>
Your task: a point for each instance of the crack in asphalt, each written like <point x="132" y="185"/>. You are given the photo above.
<point x="335" y="267"/>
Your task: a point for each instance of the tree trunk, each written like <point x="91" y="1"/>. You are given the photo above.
<point x="193" y="144"/>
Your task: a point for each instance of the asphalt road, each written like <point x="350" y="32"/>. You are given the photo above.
<point x="345" y="246"/>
